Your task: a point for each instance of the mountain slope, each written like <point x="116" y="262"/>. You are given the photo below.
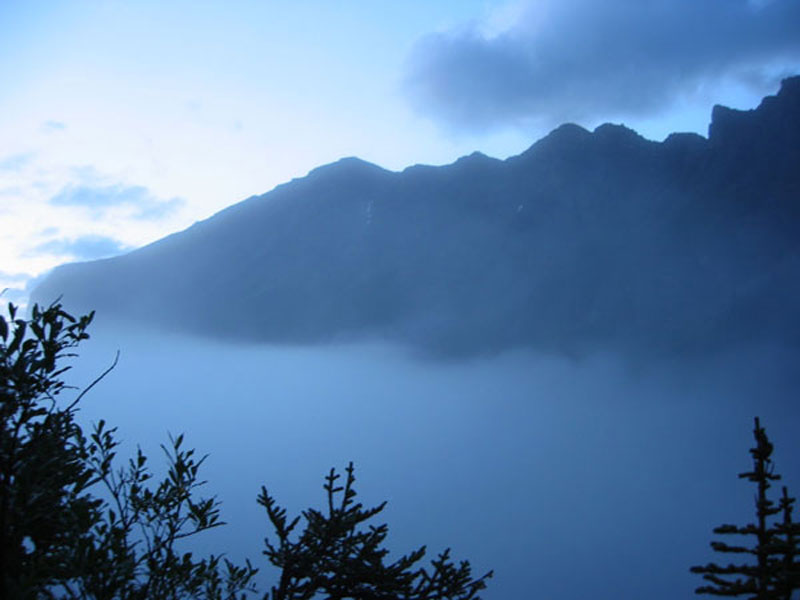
<point x="587" y="239"/>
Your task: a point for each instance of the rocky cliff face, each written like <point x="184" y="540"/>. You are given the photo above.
<point x="586" y="239"/>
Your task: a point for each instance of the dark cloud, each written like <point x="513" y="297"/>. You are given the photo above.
<point x="573" y="60"/>
<point x="100" y="198"/>
<point x="86" y="247"/>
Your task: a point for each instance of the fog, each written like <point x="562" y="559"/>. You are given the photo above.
<point x="568" y="477"/>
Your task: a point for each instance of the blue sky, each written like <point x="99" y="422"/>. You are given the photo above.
<point x="124" y="121"/>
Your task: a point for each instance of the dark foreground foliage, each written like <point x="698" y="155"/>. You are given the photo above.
<point x="335" y="558"/>
<point x="770" y="569"/>
<point x="76" y="524"/>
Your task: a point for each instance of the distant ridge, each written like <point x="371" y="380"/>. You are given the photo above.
<point x="586" y="240"/>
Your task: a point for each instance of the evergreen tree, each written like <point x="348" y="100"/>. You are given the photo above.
<point x="772" y="571"/>
<point x="787" y="545"/>
<point x="336" y="559"/>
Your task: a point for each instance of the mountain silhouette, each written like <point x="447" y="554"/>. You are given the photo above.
<point x="586" y="240"/>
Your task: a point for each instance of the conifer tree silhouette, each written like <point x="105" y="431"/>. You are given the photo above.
<point x="773" y="572"/>
<point x="334" y="558"/>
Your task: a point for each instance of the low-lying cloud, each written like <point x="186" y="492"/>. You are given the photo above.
<point x="576" y="478"/>
<point x="577" y="60"/>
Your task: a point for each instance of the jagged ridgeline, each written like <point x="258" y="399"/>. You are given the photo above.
<point x="587" y="239"/>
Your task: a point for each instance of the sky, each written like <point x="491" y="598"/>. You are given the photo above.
<point x="125" y="121"/>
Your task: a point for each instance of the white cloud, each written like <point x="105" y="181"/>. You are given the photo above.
<point x="100" y="198"/>
<point x="85" y="247"/>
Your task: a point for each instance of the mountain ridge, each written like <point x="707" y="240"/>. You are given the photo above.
<point x="586" y="239"/>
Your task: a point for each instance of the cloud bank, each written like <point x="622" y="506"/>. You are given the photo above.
<point x="576" y="60"/>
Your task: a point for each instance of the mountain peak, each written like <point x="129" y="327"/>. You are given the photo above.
<point x="347" y="166"/>
<point x="476" y="159"/>
<point x="768" y="119"/>
<point x="613" y="131"/>
<point x="562" y="137"/>
<point x="790" y="86"/>
<point x="566" y="133"/>
<point x="474" y="156"/>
